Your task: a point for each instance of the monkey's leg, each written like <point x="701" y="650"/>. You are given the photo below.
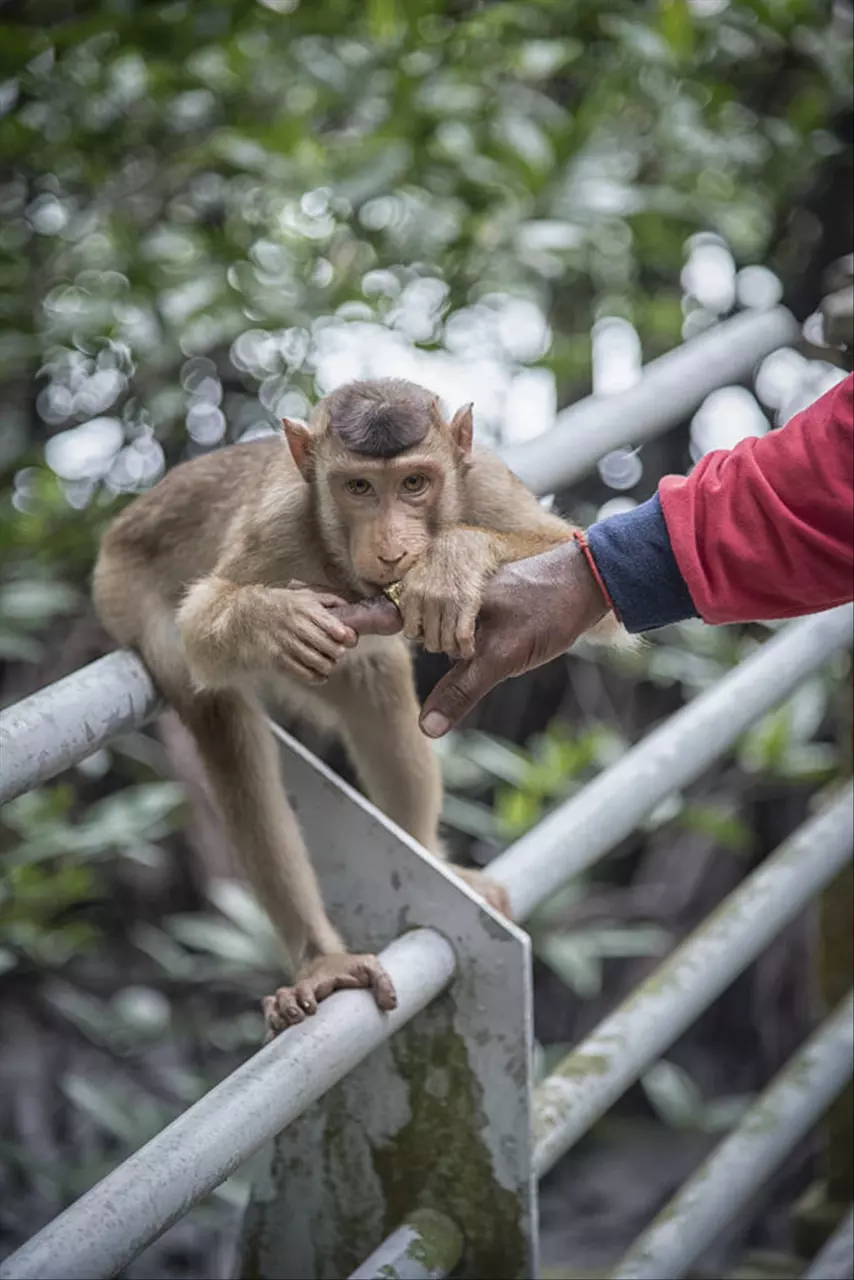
<point x="373" y="695"/>
<point x="239" y="754"/>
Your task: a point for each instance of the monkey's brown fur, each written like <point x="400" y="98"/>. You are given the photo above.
<point x="203" y="576"/>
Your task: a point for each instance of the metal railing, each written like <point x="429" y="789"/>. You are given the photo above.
<point x="295" y="1074"/>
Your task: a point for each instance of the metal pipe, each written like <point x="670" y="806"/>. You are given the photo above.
<point x="602" y="1067"/>
<point x="672" y="388"/>
<point x="133" y="1205"/>
<point x="836" y="1260"/>
<point x="741" y="1165"/>
<point x="62" y="724"/>
<point x="426" y="1247"/>
<point x="580" y="831"/>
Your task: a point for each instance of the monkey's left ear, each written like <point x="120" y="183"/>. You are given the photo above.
<point x="301" y="444"/>
<point x="462" y="428"/>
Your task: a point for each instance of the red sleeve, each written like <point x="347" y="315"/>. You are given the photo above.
<point x="766" y="530"/>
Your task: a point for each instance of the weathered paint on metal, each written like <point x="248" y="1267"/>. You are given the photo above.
<point x="67" y="721"/>
<point x="602" y="1067"/>
<point x="441" y="1118"/>
<point x="671" y="389"/>
<point x="134" y="1204"/>
<point x="580" y="831"/>
<point x="426" y="1247"/>
<point x="740" y="1166"/>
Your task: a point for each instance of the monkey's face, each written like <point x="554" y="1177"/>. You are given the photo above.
<point x="389" y="510"/>
<point x="386" y="469"/>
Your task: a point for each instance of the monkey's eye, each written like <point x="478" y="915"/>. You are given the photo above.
<point x="358" y="488"/>
<point x="415" y="484"/>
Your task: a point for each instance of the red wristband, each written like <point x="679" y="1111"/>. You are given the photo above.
<point x="580" y="538"/>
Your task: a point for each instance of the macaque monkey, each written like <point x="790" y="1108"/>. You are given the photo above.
<point x="232" y="578"/>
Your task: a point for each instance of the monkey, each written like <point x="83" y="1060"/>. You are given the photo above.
<point x="238" y="578"/>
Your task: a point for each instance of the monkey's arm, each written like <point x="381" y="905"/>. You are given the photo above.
<point x="233" y="626"/>
<point x="442" y="594"/>
<point x="498" y="502"/>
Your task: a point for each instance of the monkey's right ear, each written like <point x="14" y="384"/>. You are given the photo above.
<point x="462" y="428"/>
<point x="301" y="444"/>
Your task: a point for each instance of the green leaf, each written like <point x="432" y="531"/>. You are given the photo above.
<point x="677" y="26"/>
<point x="716" y="820"/>
<point x="219" y="939"/>
<point x="573" y="963"/>
<point x="673" y="1095"/>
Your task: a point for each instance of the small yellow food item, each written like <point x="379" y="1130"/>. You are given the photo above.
<point x="392" y="593"/>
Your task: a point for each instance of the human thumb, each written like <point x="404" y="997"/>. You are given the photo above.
<point x="454" y="697"/>
<point x="374" y="617"/>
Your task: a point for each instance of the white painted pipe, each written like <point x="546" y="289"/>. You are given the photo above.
<point x="67" y="721"/>
<point x="582" y="829"/>
<point x="672" y="388"/>
<point x="836" y="1260"/>
<point x="600" y="1069"/>
<point x="426" y="1247"/>
<point x="740" y="1167"/>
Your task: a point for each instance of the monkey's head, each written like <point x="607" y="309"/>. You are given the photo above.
<point x="387" y="469"/>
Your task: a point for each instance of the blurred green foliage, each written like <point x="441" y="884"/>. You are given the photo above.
<point x="232" y="181"/>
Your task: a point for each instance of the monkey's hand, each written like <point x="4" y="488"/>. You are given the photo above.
<point x="496" y="895"/>
<point x="441" y="595"/>
<point x="309" y="639"/>
<point x="318" y="980"/>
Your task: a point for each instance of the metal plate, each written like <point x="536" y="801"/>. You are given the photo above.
<point x="440" y="1117"/>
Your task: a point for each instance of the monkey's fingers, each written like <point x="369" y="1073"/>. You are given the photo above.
<point x="274" y="1021"/>
<point x="458" y="628"/>
<point x="329" y="620"/>
<point x="494" y="893"/>
<point x="375" y="976"/>
<point x="351" y="972"/>
<point x="346" y="972"/>
<point x="329" y="599"/>
<point x="290" y="665"/>
<point x="305" y="658"/>
<point x="432" y="623"/>
<point x="411" y="606"/>
<point x="314" y="636"/>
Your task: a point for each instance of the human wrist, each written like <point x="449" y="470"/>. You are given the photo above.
<point x="564" y="590"/>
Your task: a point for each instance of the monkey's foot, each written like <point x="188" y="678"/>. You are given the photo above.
<point x="496" y="895"/>
<point x="318" y="980"/>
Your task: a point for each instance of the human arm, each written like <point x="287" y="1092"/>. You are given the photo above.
<point x="762" y="531"/>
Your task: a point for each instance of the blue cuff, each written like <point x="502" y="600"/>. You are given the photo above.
<point x="634" y="556"/>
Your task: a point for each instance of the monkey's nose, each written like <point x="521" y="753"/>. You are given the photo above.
<point x="391" y="561"/>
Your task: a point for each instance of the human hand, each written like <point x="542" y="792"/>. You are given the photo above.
<point x="533" y="610"/>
